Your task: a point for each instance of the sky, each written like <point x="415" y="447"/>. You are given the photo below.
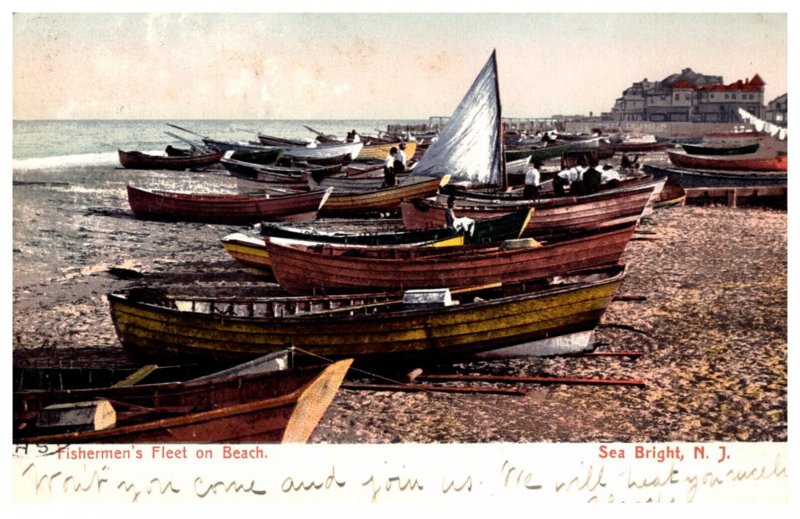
<point x="368" y="65"/>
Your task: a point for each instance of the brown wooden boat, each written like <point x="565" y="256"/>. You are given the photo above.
<point x="556" y="215"/>
<point x="139" y="160"/>
<point x="751" y="162"/>
<point x="264" y="407"/>
<point x="222" y="208"/>
<point x="379" y="328"/>
<point x="304" y="268"/>
<point x="633" y="147"/>
<point x="381" y="200"/>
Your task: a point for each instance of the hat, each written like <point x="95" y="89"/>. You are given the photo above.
<point x="402" y="145"/>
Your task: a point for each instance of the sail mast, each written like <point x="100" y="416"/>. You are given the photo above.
<point x="503" y="178"/>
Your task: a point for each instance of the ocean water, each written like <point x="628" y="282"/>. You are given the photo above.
<point x="51" y="144"/>
<point x="69" y="194"/>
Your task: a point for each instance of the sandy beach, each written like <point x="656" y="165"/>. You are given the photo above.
<point x="705" y="301"/>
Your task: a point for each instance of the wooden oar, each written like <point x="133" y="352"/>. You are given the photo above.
<point x="539" y="380"/>
<point x="432" y="388"/>
<point x="137" y="376"/>
<point x="189" y="142"/>
<point x="185" y="130"/>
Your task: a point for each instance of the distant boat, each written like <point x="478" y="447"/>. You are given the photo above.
<point x="380" y="150"/>
<point x="379" y="328"/>
<point x="315" y="151"/>
<point x="697" y="149"/>
<point x="223" y="208"/>
<point x="536" y="153"/>
<point x="749" y="162"/>
<point x="642" y="143"/>
<point x="689" y="178"/>
<point x="139" y="160"/>
<point x="259" y="176"/>
<point x="731" y="138"/>
<point x="272" y="140"/>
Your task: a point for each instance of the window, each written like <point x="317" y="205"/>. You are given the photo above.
<point x="726" y="96"/>
<point x="733" y="96"/>
<point x="688" y="96"/>
<point x="712" y="96"/>
<point x="677" y="97"/>
<point x="663" y="98"/>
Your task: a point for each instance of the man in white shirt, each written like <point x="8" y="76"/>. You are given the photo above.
<point x="401" y="154"/>
<point x="532" y="178"/>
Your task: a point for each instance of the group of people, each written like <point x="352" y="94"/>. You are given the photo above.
<point x="352" y="136"/>
<point x="629" y="164"/>
<point x="394" y="165"/>
<point x="586" y="180"/>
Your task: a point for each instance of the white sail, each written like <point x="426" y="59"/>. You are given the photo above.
<point x="763" y="126"/>
<point x="469" y="147"/>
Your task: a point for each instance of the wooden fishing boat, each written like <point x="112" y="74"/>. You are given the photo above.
<point x="506" y="227"/>
<point x="322" y="151"/>
<point x="587" y="144"/>
<point x="641" y="147"/>
<point x="672" y="194"/>
<point x="223" y="208"/>
<point x="750" y="162"/>
<point x="252" y="252"/>
<point x="574" y="137"/>
<point x="279" y="406"/>
<point x="238" y="146"/>
<point x="293" y="177"/>
<point x="380" y="150"/>
<point x="272" y="140"/>
<point x="139" y="160"/>
<point x="554" y="215"/>
<point x="536" y="153"/>
<point x="518" y="167"/>
<point x="381" y="200"/>
<point x="689" y="178"/>
<point x="378" y="328"/>
<point x="262" y="158"/>
<point x="697" y="149"/>
<point x="304" y="268"/>
<point x="33" y="383"/>
<point x="730" y="137"/>
<point x="363" y="183"/>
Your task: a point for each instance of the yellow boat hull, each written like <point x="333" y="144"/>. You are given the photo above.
<point x="238" y="330"/>
<point x="381" y="151"/>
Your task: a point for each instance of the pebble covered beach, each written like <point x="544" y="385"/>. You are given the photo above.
<point x="705" y="302"/>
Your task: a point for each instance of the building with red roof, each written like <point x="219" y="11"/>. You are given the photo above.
<point x="689" y="96"/>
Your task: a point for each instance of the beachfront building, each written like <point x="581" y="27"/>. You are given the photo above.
<point x="777" y="110"/>
<point x="688" y="97"/>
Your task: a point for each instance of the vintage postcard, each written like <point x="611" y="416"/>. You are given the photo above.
<point x="394" y="259"/>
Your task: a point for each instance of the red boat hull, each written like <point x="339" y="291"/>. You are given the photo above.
<point x="735" y="162"/>
<point x="139" y="160"/>
<point x="302" y="268"/>
<point x="249" y="408"/>
<point x="554" y="216"/>
<point x="223" y="209"/>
